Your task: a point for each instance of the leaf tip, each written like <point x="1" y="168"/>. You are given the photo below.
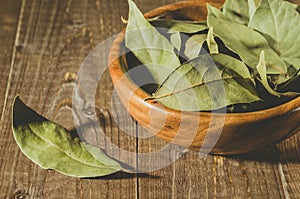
<point x="131" y="4"/>
<point x="210" y="8"/>
<point x="22" y="114"/>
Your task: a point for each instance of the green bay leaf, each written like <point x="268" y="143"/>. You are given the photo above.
<point x="52" y="147"/>
<point x="279" y="23"/>
<point x="244" y="41"/>
<point x="153" y="49"/>
<point x="202" y="84"/>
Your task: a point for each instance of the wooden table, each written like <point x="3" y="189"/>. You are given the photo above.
<point x="41" y="44"/>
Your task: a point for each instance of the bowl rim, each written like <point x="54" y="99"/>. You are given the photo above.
<point x="117" y="73"/>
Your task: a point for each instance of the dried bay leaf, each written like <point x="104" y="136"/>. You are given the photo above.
<point x="175" y="39"/>
<point x="193" y="45"/>
<point x="253" y="5"/>
<point x="149" y="46"/>
<point x="242" y="11"/>
<point x="179" y="25"/>
<point x="292" y="5"/>
<point x="244" y="41"/>
<point x="261" y="68"/>
<point x="279" y="23"/>
<point x="200" y="81"/>
<point x="52" y="147"/>
<point x="237" y="10"/>
<point x="291" y="85"/>
<point x="211" y="42"/>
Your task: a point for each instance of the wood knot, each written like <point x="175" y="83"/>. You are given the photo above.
<point x="20" y="194"/>
<point x="70" y="77"/>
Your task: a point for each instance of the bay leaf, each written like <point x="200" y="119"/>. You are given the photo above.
<point x="291" y="85"/>
<point x="261" y="68"/>
<point x="211" y="42"/>
<point x="206" y="83"/>
<point x="153" y="49"/>
<point x="281" y="78"/>
<point x="253" y="5"/>
<point x="183" y="26"/>
<point x="193" y="45"/>
<point x="279" y="23"/>
<point x="237" y="10"/>
<point x="52" y="147"/>
<point x="291" y="4"/>
<point x="242" y="11"/>
<point x="175" y="39"/>
<point x="244" y="41"/>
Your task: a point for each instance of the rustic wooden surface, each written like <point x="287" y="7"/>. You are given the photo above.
<point x="41" y="44"/>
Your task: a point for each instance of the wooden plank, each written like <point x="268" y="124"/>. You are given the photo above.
<point x="54" y="38"/>
<point x="9" y="14"/>
<point x="289" y="166"/>
<point x="254" y="175"/>
<point x="147" y="5"/>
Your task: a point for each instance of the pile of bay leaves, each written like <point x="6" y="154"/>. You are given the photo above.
<point x="244" y="57"/>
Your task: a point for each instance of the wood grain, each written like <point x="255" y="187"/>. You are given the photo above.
<point x="42" y="43"/>
<point x="253" y="175"/>
<point x="9" y="14"/>
<point x="54" y="38"/>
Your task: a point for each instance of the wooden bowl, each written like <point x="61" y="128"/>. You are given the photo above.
<point x="235" y="133"/>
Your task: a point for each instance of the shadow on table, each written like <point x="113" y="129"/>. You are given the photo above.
<point x="123" y="175"/>
<point x="271" y="155"/>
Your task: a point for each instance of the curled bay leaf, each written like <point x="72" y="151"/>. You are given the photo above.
<point x="52" y="147"/>
<point x="262" y="70"/>
<point x="207" y="82"/>
<point x="244" y="41"/>
<point x="211" y="42"/>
